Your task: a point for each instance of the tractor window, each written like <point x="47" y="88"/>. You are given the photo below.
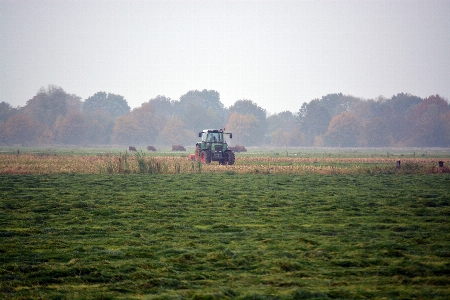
<point x="213" y="137"/>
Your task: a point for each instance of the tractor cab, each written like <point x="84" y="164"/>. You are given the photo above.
<point x="212" y="137"/>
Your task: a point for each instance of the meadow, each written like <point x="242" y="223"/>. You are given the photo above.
<point x="317" y="226"/>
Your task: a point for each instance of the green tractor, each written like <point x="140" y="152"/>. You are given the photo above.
<point x="213" y="147"/>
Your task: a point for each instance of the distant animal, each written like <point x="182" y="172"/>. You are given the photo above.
<point x="178" y="148"/>
<point x="151" y="148"/>
<point x="191" y="156"/>
<point x="238" y="148"/>
<point x="132" y="148"/>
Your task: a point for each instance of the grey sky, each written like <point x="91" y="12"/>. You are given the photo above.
<point x="277" y="53"/>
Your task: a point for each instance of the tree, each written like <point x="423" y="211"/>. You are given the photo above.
<point x="248" y="107"/>
<point x="71" y="129"/>
<point x="296" y="136"/>
<point x="175" y="133"/>
<point x="280" y="138"/>
<point x="2" y="133"/>
<point x="376" y="133"/>
<point x="126" y="131"/>
<point x="141" y="126"/>
<point x="284" y="120"/>
<point x="74" y="103"/>
<point x="21" y="129"/>
<point x="366" y="110"/>
<point x="47" y="105"/>
<point x="344" y="131"/>
<point x="314" y="119"/>
<point x="6" y="111"/>
<point x="246" y="129"/>
<point x="284" y="123"/>
<point x="394" y="112"/>
<point x="164" y="106"/>
<point x="113" y="104"/>
<point x="99" y="127"/>
<point x="427" y="123"/>
<point x="200" y="110"/>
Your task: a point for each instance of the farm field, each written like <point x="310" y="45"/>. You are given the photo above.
<point x="257" y="161"/>
<point x="296" y="224"/>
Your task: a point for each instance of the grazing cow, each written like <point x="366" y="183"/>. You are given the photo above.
<point x="238" y="148"/>
<point x="178" y="148"/>
<point x="191" y="157"/>
<point x="151" y="148"/>
<point x="132" y="148"/>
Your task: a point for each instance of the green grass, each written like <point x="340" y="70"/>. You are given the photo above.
<point x="229" y="236"/>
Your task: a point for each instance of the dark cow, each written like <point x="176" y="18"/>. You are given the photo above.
<point x="178" y="148"/>
<point x="151" y="148"/>
<point x="238" y="148"/>
<point x="131" y="148"/>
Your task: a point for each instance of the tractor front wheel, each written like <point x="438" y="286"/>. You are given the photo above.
<point x="230" y="158"/>
<point x="205" y="157"/>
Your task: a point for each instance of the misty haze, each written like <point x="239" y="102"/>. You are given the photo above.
<point x="277" y="73"/>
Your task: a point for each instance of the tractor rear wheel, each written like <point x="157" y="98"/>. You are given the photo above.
<point x="205" y="156"/>
<point x="230" y="158"/>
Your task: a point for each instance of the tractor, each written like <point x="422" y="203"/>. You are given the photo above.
<point x="213" y="147"/>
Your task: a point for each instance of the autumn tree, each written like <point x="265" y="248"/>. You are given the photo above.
<point x="2" y="133"/>
<point x="70" y="129"/>
<point x="376" y="133"/>
<point x="246" y="129"/>
<point x="394" y="112"/>
<point x="284" y="129"/>
<point x="99" y="127"/>
<point x="73" y="103"/>
<point x="200" y="110"/>
<point x="314" y="118"/>
<point x="21" y="129"/>
<point x="428" y="123"/>
<point x="176" y="133"/>
<point x="126" y="131"/>
<point x="280" y="138"/>
<point x="164" y="107"/>
<point x="141" y="126"/>
<point x="47" y="105"/>
<point x="343" y="131"/>
<point x="6" y="111"/>
<point x="366" y="110"/>
<point x="248" y="107"/>
<point x="113" y="104"/>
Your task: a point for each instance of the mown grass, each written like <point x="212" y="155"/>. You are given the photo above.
<point x="224" y="236"/>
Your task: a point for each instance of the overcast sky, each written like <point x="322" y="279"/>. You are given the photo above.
<point x="278" y="54"/>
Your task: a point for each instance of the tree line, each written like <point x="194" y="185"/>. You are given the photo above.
<point x="53" y="116"/>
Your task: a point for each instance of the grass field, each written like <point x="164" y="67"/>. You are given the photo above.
<point x="257" y="161"/>
<point x="91" y="226"/>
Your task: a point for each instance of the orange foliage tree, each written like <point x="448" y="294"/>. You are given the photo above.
<point x="21" y="129"/>
<point x="70" y="129"/>
<point x="344" y="130"/>
<point x="246" y="129"/>
<point x="141" y="126"/>
<point x="428" y="124"/>
<point x="176" y="133"/>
